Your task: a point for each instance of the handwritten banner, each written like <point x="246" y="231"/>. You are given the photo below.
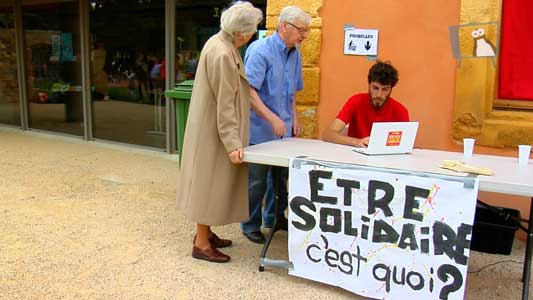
<point x="378" y="234"/>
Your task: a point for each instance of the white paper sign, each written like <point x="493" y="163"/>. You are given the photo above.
<point x="360" y="41"/>
<point x="380" y="235"/>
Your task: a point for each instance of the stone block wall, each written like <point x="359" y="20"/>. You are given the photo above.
<point x="8" y="67"/>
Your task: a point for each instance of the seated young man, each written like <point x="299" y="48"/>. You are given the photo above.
<point x="361" y="110"/>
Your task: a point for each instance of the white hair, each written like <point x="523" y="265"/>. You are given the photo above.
<point x="241" y="17"/>
<point x="292" y="14"/>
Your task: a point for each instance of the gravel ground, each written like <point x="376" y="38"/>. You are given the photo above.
<point x="89" y="220"/>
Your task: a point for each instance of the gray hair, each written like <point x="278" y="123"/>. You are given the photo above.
<point x="240" y="17"/>
<point x="292" y="14"/>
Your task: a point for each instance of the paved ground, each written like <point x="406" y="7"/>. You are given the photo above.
<point x="87" y="220"/>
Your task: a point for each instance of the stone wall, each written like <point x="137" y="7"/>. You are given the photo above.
<point x="306" y="100"/>
<point x="8" y="67"/>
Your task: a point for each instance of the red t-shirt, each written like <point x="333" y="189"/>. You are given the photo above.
<point x="359" y="113"/>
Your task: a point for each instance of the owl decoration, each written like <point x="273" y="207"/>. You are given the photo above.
<point x="482" y="47"/>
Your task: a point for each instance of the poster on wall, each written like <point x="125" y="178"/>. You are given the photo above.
<point x="67" y="54"/>
<point x="360" y="41"/>
<point x="475" y="40"/>
<point x="380" y="234"/>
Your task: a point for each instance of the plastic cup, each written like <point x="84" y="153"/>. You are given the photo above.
<point x="468" y="147"/>
<point x="523" y="154"/>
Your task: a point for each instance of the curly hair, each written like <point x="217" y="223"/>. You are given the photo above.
<point x="384" y="73"/>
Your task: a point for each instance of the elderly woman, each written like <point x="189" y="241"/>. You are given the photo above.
<point x="212" y="188"/>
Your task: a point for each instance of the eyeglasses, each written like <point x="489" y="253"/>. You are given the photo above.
<point x="301" y="30"/>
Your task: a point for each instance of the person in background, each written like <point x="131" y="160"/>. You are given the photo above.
<point x="141" y="73"/>
<point x="361" y="110"/>
<point x="132" y="85"/>
<point x="155" y="75"/>
<point x="192" y="64"/>
<point x="274" y="71"/>
<point x="212" y="186"/>
<point x="163" y="71"/>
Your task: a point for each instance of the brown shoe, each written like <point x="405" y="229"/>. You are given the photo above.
<point x="210" y="254"/>
<point x="218" y="242"/>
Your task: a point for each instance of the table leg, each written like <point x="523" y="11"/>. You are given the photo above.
<point x="276" y="174"/>
<point x="527" y="260"/>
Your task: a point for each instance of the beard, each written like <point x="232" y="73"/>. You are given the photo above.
<point x="378" y="102"/>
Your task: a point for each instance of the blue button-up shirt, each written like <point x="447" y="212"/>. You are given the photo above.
<point x="276" y="73"/>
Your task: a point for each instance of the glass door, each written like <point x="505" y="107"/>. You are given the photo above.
<point x="127" y="50"/>
<point x="52" y="39"/>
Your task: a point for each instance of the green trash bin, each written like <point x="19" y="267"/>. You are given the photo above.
<point x="182" y="96"/>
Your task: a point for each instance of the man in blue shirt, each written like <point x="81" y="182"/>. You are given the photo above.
<point x="274" y="70"/>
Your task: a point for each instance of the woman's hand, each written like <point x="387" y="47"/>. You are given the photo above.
<point x="235" y="156"/>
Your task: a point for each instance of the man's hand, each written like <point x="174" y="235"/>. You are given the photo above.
<point x="278" y="126"/>
<point x="235" y="156"/>
<point x="296" y="129"/>
<point x="361" y="142"/>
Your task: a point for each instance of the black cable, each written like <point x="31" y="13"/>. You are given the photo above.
<point x="493" y="264"/>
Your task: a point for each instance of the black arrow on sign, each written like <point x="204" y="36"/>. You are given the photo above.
<point x="368" y="45"/>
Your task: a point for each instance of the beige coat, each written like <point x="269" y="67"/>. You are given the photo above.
<point x="212" y="190"/>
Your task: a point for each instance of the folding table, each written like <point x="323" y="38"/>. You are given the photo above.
<point x="509" y="177"/>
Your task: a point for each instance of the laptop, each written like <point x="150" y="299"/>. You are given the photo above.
<point x="390" y="138"/>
